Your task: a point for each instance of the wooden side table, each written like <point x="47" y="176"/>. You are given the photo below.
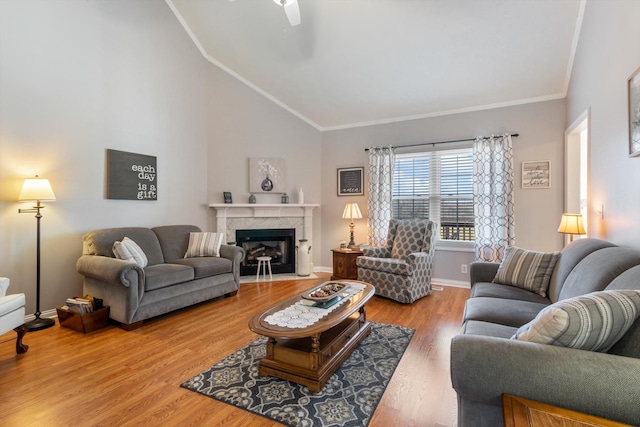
<point x="344" y="264"/>
<point x="520" y="412"/>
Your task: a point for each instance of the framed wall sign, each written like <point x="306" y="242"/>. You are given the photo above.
<point x="131" y="176"/>
<point x="633" y="90"/>
<point x="535" y="174"/>
<point x="350" y="181"/>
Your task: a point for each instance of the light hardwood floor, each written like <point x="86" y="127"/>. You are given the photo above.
<point x="112" y="377"/>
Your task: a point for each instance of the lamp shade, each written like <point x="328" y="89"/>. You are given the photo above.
<point x="351" y="211"/>
<point x="571" y="224"/>
<point x="36" y="189"/>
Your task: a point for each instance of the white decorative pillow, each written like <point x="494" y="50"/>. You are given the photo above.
<point x="526" y="269"/>
<point x="129" y="250"/>
<point x="204" y="244"/>
<point x="594" y="321"/>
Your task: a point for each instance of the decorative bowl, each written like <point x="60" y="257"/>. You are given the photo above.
<point x="326" y="291"/>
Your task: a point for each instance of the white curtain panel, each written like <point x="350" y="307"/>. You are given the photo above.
<point x="381" y="163"/>
<point x="493" y="196"/>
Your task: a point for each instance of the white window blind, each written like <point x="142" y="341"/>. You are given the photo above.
<point x="436" y="185"/>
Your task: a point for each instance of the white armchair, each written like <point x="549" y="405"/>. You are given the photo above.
<point x="12" y="314"/>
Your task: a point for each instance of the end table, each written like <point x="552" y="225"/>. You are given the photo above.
<point x="344" y="264"/>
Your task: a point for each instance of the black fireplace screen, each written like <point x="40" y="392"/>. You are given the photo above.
<point x="277" y="243"/>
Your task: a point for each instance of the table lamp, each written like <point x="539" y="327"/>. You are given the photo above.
<point x="571" y="224"/>
<point x="37" y="189"/>
<point x="351" y="211"/>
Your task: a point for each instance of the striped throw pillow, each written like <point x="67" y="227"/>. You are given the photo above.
<point x="526" y="269"/>
<point x="204" y="244"/>
<point x="129" y="250"/>
<point x="594" y="321"/>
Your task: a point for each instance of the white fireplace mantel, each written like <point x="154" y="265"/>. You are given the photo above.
<point x="227" y="212"/>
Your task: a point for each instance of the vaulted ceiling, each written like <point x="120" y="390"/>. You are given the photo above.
<point x="357" y="62"/>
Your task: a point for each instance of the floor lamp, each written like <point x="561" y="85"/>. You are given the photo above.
<point x="37" y="189"/>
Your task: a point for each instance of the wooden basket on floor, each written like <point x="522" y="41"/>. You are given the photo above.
<point x="84" y="322"/>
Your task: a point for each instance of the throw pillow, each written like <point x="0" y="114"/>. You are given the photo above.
<point x="594" y="321"/>
<point x="129" y="250"/>
<point x="204" y="244"/>
<point x="526" y="269"/>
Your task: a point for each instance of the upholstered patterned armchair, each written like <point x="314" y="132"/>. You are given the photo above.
<point x="401" y="270"/>
<point x="12" y="314"/>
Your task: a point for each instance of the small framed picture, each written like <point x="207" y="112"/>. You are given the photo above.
<point x="535" y="174"/>
<point x="350" y="181"/>
<point x="633" y="91"/>
<point x="227" y="197"/>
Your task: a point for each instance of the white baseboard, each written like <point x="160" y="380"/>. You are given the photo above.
<point x="452" y="283"/>
<point x="50" y="314"/>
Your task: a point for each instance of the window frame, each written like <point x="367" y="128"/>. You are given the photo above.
<point x="434" y="204"/>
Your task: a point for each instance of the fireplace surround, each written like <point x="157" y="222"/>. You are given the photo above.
<point x="260" y="216"/>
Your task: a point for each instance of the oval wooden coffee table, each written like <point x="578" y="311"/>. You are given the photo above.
<point x="310" y="355"/>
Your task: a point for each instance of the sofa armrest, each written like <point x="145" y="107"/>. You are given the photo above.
<point x="236" y="255"/>
<point x="482" y="271"/>
<point x="376" y="252"/>
<point x="601" y="384"/>
<point x="106" y="269"/>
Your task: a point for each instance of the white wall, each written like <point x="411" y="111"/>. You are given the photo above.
<point x="244" y="124"/>
<point x="80" y="76"/>
<point x="608" y="53"/>
<point x="541" y="128"/>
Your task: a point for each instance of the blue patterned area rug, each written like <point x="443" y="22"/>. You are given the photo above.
<point x="349" y="398"/>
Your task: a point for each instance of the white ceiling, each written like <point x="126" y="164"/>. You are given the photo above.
<point x="358" y="62"/>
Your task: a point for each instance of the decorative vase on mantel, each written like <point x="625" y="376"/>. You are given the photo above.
<point x="252" y="199"/>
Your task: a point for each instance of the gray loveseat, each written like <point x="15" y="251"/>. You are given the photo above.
<point x="168" y="283"/>
<point x="485" y="362"/>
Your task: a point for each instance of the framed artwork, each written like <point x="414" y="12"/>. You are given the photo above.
<point x="131" y="176"/>
<point x="535" y="174"/>
<point x="227" y="197"/>
<point x="266" y="175"/>
<point x="633" y="90"/>
<point x="350" y="181"/>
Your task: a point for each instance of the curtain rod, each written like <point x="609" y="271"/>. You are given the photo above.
<point x="443" y="142"/>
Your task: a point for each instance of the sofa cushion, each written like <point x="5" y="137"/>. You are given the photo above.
<point x="389" y="265"/>
<point x="409" y="238"/>
<point x="162" y="275"/>
<point x="526" y="269"/>
<point x="501" y="311"/>
<point x="570" y="256"/>
<point x="206" y="266"/>
<point x="174" y="239"/>
<point x="129" y="250"/>
<point x="100" y="242"/>
<point x="496" y="290"/>
<point x="594" y="321"/>
<point x="204" y="244"/>
<point x="487" y="329"/>
<point x="598" y="269"/>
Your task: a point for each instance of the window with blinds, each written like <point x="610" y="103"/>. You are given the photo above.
<point x="437" y="185"/>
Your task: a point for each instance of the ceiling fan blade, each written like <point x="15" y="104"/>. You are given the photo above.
<point x="293" y="12"/>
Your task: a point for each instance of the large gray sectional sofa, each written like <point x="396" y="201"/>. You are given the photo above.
<point x="169" y="281"/>
<point x="485" y="362"/>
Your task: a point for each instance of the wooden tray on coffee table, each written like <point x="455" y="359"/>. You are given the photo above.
<point x="310" y="355"/>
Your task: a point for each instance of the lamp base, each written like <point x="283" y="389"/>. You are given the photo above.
<point x="39" y="323"/>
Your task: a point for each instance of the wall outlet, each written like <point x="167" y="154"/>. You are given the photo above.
<point x="463" y="268"/>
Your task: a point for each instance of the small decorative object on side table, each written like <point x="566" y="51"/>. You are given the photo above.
<point x="344" y="264"/>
